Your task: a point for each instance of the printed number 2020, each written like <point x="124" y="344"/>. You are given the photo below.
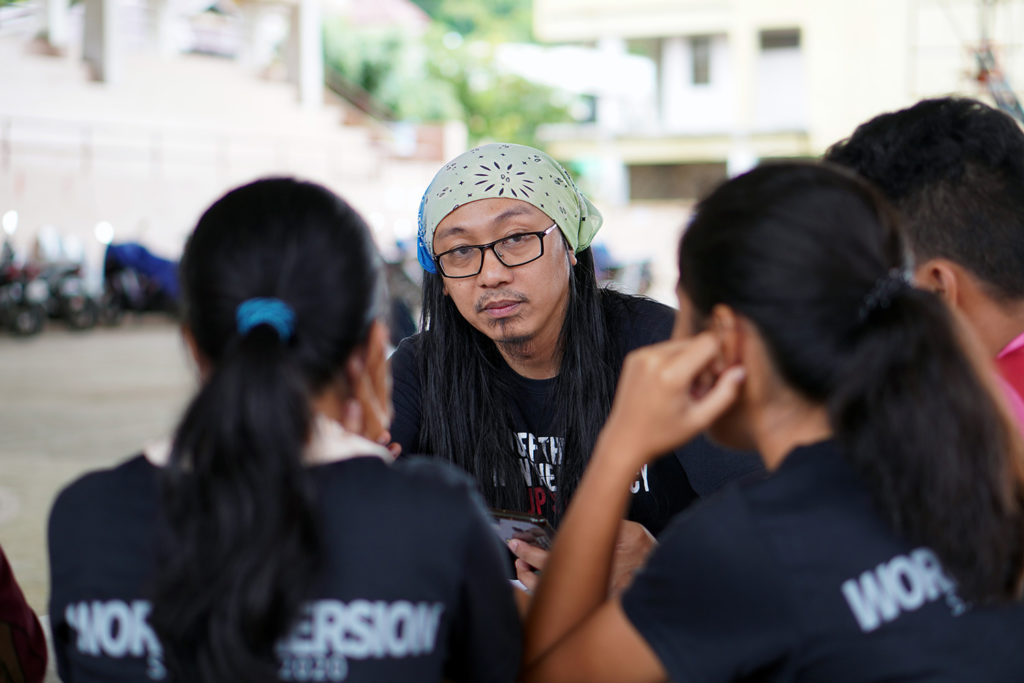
<point x="301" y="669"/>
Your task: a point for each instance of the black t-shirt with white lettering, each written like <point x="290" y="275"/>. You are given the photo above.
<point x="796" y="577"/>
<point x="661" y="489"/>
<point x="413" y="586"/>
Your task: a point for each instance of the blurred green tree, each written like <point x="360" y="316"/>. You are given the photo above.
<point x="446" y="74"/>
<point x="506" y="20"/>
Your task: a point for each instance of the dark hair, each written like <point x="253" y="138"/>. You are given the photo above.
<point x="797" y="249"/>
<point x="467" y="419"/>
<point x="955" y="168"/>
<point x="241" y="541"/>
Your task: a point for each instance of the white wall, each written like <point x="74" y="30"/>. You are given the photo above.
<point x="781" y="102"/>
<point x="689" y="108"/>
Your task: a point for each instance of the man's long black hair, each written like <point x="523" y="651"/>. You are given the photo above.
<point x="469" y="414"/>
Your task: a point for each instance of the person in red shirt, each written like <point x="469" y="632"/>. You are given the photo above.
<point x="955" y="168"/>
<point x="22" y="643"/>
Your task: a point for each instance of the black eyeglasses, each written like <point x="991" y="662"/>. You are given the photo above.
<point x="514" y="250"/>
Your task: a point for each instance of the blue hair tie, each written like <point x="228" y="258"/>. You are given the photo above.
<point x="273" y="312"/>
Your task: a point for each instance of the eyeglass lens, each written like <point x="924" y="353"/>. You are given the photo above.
<point x="514" y="250"/>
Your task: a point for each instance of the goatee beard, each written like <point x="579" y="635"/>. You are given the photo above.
<point x="516" y="346"/>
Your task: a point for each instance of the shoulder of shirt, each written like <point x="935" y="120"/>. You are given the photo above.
<point x="726" y="511"/>
<point x="422" y="468"/>
<point x="806" y="467"/>
<point x="417" y="474"/>
<point x="408" y="349"/>
<point x="102" y="483"/>
<point x="637" y="318"/>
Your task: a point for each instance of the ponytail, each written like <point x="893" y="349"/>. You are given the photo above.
<point x="940" y="456"/>
<point x="239" y="513"/>
<point x="280" y="283"/>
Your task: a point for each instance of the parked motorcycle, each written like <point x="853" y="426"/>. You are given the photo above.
<point x="23" y="299"/>
<point x="136" y="280"/>
<point x="68" y="298"/>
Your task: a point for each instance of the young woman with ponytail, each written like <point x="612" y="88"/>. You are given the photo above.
<point x="886" y="541"/>
<point x="274" y="538"/>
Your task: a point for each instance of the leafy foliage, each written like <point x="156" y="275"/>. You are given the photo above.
<point x="507" y="20"/>
<point x="446" y="74"/>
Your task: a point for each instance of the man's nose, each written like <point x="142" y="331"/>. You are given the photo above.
<point x="493" y="272"/>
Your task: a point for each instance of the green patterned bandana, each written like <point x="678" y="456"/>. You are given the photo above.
<point x="513" y="172"/>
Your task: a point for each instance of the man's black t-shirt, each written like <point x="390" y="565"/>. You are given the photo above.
<point x="413" y="586"/>
<point x="796" y="577"/>
<point x="661" y="489"/>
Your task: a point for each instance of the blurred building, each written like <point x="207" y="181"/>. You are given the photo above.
<point x="737" y="81"/>
<point x="139" y="113"/>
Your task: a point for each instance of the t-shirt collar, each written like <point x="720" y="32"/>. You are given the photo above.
<point x="330" y="443"/>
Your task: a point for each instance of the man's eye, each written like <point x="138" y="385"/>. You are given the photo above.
<point x="463" y="251"/>
<point x="515" y="239"/>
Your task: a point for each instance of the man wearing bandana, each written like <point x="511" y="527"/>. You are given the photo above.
<point x="513" y="375"/>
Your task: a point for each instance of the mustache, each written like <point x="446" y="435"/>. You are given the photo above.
<point x="486" y="300"/>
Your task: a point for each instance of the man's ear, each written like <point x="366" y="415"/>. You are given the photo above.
<point x="942" y="277"/>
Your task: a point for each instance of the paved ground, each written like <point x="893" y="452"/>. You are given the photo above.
<point x="71" y="402"/>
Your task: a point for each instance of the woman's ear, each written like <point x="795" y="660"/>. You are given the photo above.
<point x="368" y="375"/>
<point x="727" y="327"/>
<point x="201" y="361"/>
<point x="378" y="366"/>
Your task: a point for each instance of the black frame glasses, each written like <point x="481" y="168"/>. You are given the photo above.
<point x="540" y="234"/>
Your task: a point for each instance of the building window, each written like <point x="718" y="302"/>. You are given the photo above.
<point x="780" y="39"/>
<point x="700" y="53"/>
<point x="672" y="182"/>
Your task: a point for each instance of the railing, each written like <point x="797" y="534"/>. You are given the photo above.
<point x="174" y="149"/>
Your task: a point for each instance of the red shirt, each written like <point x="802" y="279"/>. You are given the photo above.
<point x="1010" y="362"/>
<point x="22" y="643"/>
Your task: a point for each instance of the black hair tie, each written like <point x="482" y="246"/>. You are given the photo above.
<point x="883" y="291"/>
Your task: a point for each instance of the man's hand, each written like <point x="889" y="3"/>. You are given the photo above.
<point x="529" y="560"/>
<point x="632" y="546"/>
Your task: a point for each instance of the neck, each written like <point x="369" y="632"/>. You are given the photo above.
<point x="782" y="426"/>
<point x="530" y="359"/>
<point x="996" y="323"/>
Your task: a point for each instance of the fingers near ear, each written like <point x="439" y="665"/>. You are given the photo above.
<point x="352" y="416"/>
<point x="690" y="357"/>
<point x="722" y="395"/>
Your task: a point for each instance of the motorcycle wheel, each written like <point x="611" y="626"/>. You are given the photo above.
<point x="81" y="313"/>
<point x="28" y="320"/>
<point x="111" y="312"/>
